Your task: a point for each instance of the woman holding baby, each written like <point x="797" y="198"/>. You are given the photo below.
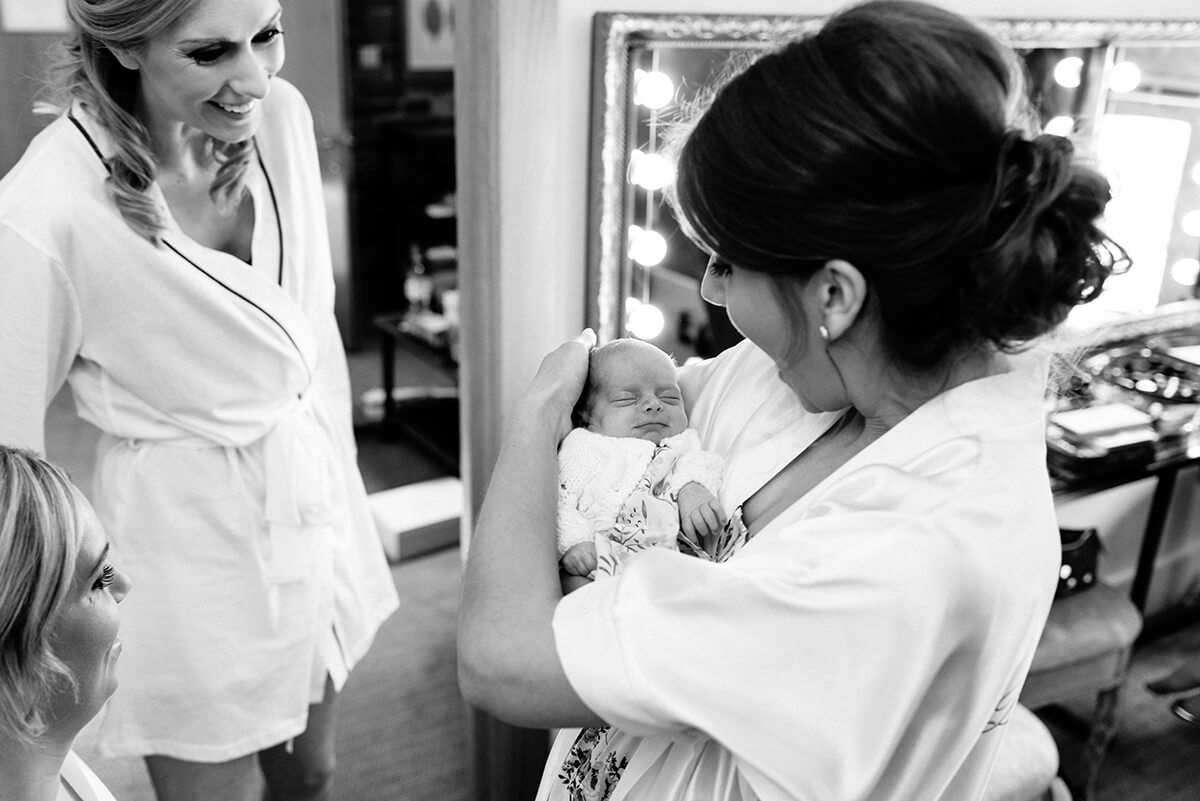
<point x="890" y="239"/>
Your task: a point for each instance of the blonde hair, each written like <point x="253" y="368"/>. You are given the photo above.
<point x="39" y="541"/>
<point x="85" y="69"/>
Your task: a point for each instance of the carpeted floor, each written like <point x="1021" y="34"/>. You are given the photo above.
<point x="1155" y="756"/>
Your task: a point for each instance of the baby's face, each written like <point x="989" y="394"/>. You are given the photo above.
<point x="635" y="394"/>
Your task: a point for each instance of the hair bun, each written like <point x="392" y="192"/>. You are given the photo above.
<point x="1042" y="253"/>
<point x="1030" y="175"/>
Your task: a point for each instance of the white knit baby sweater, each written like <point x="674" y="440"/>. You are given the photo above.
<point x="596" y="473"/>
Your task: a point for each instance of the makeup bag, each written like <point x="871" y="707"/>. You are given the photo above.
<point x="1080" y="554"/>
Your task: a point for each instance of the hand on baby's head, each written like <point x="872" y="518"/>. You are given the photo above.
<point x="633" y="391"/>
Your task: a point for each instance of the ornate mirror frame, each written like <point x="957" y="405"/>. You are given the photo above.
<point x="617" y="35"/>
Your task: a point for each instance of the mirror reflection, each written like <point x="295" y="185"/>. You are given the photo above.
<point x="1132" y="107"/>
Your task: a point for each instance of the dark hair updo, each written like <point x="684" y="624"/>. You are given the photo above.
<point x="888" y="138"/>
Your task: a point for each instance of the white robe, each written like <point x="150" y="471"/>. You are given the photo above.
<point x="226" y="477"/>
<point x="868" y="644"/>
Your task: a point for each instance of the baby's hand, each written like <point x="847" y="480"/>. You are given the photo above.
<point x="700" y="515"/>
<point x="580" y="559"/>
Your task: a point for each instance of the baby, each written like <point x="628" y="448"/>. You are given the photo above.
<point x="632" y="475"/>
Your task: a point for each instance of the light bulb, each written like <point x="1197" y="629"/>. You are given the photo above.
<point x="647" y="247"/>
<point x="1191" y="223"/>
<point x="1069" y="71"/>
<point x="1185" y="271"/>
<point x="652" y="89"/>
<point x="1124" y="77"/>
<point x="651" y="171"/>
<point x="1062" y="125"/>
<point x="646" y="321"/>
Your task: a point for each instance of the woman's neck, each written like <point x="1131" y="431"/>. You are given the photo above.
<point x="893" y="394"/>
<point x="176" y="146"/>
<point x="31" y="772"/>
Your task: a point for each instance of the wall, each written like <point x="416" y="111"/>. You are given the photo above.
<point x="21" y="59"/>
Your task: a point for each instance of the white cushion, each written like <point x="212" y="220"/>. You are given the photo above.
<point x="1027" y="762"/>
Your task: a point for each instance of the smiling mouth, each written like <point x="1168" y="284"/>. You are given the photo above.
<point x="244" y="108"/>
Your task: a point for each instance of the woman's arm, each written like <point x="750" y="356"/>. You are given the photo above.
<point x="507" y="661"/>
<point x="40" y="332"/>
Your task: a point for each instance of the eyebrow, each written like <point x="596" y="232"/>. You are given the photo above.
<point x="211" y="40"/>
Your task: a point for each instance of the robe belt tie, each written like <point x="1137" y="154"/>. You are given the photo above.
<point x="298" y="470"/>
<point x="297" y="464"/>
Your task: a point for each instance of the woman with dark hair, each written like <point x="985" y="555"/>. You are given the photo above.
<point x="891" y="242"/>
<point x="59" y="592"/>
<point x="164" y="251"/>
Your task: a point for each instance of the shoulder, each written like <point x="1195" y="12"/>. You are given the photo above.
<point x="54" y="191"/>
<point x="743" y="359"/>
<point x="60" y="155"/>
<point x="286" y="114"/>
<point x="286" y="99"/>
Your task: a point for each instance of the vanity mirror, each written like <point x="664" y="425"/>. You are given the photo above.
<point x="1127" y="93"/>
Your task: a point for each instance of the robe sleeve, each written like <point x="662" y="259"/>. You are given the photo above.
<point x="40" y="335"/>
<point x="780" y="649"/>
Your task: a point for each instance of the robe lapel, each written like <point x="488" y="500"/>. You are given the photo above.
<point x="265" y="295"/>
<point x="929" y="454"/>
<point x="246" y="284"/>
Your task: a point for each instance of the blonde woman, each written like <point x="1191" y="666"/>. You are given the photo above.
<point x="163" y="250"/>
<point x="59" y="650"/>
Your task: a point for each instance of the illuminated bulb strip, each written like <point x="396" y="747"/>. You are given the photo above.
<point x="650" y="171"/>
<point x="645" y="321"/>
<point x="1185" y="272"/>
<point x="1124" y="77"/>
<point x="652" y="89"/>
<point x="646" y="246"/>
<point x="1191" y="223"/>
<point x="1061" y="126"/>
<point x="1068" y="73"/>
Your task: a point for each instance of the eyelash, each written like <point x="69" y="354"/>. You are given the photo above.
<point x="210" y="55"/>
<point x="108" y="574"/>
<point x="718" y="267"/>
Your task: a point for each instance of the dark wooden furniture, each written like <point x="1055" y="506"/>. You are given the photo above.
<point x="426" y="415"/>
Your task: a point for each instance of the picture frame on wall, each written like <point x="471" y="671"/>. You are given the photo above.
<point x="33" y="16"/>
<point x="430" y="35"/>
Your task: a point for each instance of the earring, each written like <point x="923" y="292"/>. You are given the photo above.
<point x="824" y="332"/>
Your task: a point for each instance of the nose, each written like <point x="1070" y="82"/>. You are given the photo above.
<point x="252" y="75"/>
<point x="121" y="585"/>
<point x="712" y="288"/>
<point x="652" y="403"/>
